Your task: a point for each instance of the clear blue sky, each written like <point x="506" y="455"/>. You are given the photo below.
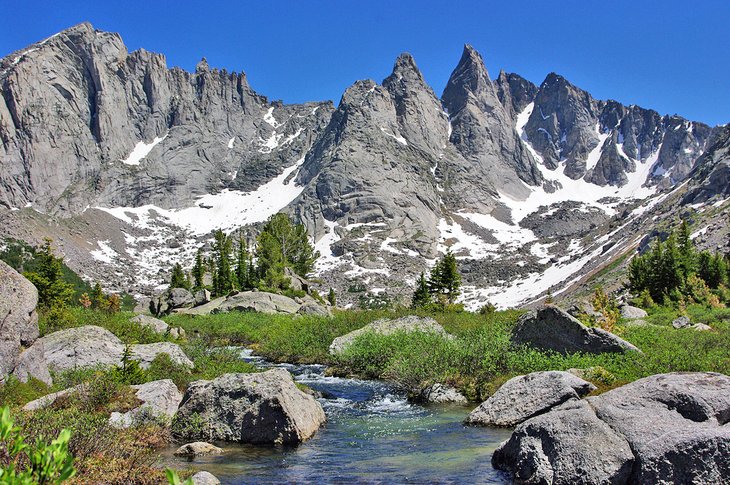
<point x="672" y="56"/>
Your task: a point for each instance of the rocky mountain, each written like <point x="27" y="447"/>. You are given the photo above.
<point x="130" y="165"/>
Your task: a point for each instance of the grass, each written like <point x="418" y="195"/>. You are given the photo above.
<point x="117" y="323"/>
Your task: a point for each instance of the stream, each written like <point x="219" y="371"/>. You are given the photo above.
<point x="372" y="435"/>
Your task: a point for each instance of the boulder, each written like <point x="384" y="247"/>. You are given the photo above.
<point x="631" y="312"/>
<point x="48" y="399"/>
<point x="170" y="300"/>
<point x="18" y="300"/>
<point x="681" y="322"/>
<point x="205" y="478"/>
<point x="550" y="328"/>
<point x="177" y="333"/>
<point x="160" y="400"/>
<point x="32" y="363"/>
<point x="439" y="393"/>
<point x="198" y="448"/>
<point x="388" y="327"/>
<point x="246" y="301"/>
<point x="201" y="297"/>
<point x="701" y="327"/>
<point x="314" y="309"/>
<point x="296" y="282"/>
<point x="566" y="446"/>
<point x="153" y="323"/>
<point x="523" y="397"/>
<point x="86" y="346"/>
<point x="142" y="307"/>
<point x="146" y="353"/>
<point x="262" y="408"/>
<point x="676" y="424"/>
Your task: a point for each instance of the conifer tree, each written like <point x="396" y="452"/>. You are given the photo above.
<point x="445" y="280"/>
<point x="242" y="264"/>
<point x="97" y="296"/>
<point x="222" y="248"/>
<point x="422" y="295"/>
<point x="282" y="244"/>
<point x="53" y="290"/>
<point x="332" y="298"/>
<point x="198" y="270"/>
<point x="686" y="251"/>
<point x="179" y="279"/>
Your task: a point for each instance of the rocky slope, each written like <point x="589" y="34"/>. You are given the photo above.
<point x="130" y="165"/>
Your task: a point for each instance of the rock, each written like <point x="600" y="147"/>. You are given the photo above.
<point x="523" y="397"/>
<point x="142" y="307"/>
<point x="155" y="324"/>
<point x="565" y="446"/>
<point x="388" y="327"/>
<point x="262" y="408"/>
<point x="18" y="300"/>
<point x="550" y="328"/>
<point x="681" y="322"/>
<point x="246" y="301"/>
<point x="86" y="346"/>
<point x="32" y="363"/>
<point x="631" y="312"/>
<point x="296" y="282"/>
<point x="439" y="393"/>
<point x="198" y="448"/>
<point x="205" y="478"/>
<point x="146" y="353"/>
<point x="177" y="333"/>
<point x="314" y="309"/>
<point x="202" y="297"/>
<point x="701" y="327"/>
<point x="48" y="399"/>
<point x="676" y="424"/>
<point x="160" y="400"/>
<point x="170" y="300"/>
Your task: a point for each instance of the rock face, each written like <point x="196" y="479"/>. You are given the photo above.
<point x="523" y="397"/>
<point x="198" y="448"/>
<point x="565" y="446"/>
<point x="160" y="399"/>
<point x="86" y="346"/>
<point x="666" y="428"/>
<point x="155" y="324"/>
<point x="550" y="328"/>
<point x="676" y="424"/>
<point x="439" y="393"/>
<point x="19" y="326"/>
<point x="388" y="327"/>
<point x="262" y="408"/>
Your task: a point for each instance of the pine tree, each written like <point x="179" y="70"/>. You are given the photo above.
<point x="422" y="295"/>
<point x="242" y="264"/>
<point x="686" y="251"/>
<point x="97" y="296"/>
<point x="332" y="298"/>
<point x="198" y="271"/>
<point x="179" y="279"/>
<point x="450" y="277"/>
<point x="53" y="290"/>
<point x="282" y="244"/>
<point x="224" y="276"/>
<point x="670" y="266"/>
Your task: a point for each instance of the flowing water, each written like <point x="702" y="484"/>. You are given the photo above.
<point x="373" y="435"/>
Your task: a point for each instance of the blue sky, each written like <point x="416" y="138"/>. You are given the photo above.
<point x="672" y="56"/>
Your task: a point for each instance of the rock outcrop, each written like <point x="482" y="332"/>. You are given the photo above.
<point x="550" y="328"/>
<point x="632" y="312"/>
<point x="387" y="326"/>
<point x="246" y="301"/>
<point x="524" y="397"/>
<point x="171" y="300"/>
<point x="160" y="400"/>
<point x="155" y="324"/>
<point x="261" y="408"/>
<point x="666" y="428"/>
<point x="146" y="353"/>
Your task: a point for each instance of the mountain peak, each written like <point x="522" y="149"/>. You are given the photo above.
<point x="404" y="69"/>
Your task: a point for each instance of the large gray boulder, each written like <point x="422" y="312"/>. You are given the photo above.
<point x="170" y="300"/>
<point x="676" y="424"/>
<point x="387" y="326"/>
<point x="146" y="353"/>
<point x="441" y="394"/>
<point x="314" y="309"/>
<point x="47" y="400"/>
<point x="246" y="301"/>
<point x="550" y="328"/>
<point x="523" y="397"/>
<point x="32" y="363"/>
<point x="205" y="478"/>
<point x="631" y="312"/>
<point x="155" y="324"/>
<point x="566" y="446"/>
<point x="265" y="408"/>
<point x="86" y="346"/>
<point x="18" y="301"/>
<point x="160" y="400"/>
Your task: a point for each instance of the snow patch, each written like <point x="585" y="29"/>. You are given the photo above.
<point x="397" y="138"/>
<point x="105" y="253"/>
<point x="230" y="142"/>
<point x="141" y="150"/>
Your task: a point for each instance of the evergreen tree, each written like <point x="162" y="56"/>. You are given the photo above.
<point x="198" y="270"/>
<point x="97" y="296"/>
<point x="282" y="244"/>
<point x="332" y="298"/>
<point x="445" y="280"/>
<point x="686" y="251"/>
<point x="242" y="264"/>
<point x="179" y="279"/>
<point x="53" y="290"/>
<point x="222" y="248"/>
<point x="422" y="295"/>
<point x="670" y="266"/>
